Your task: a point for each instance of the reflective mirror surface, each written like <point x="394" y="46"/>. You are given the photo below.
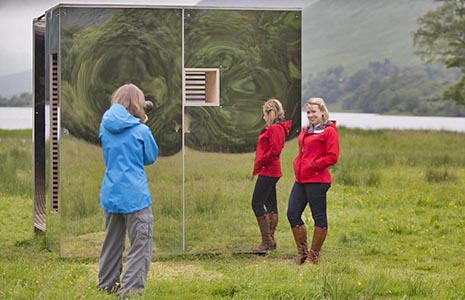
<point x="201" y="184"/>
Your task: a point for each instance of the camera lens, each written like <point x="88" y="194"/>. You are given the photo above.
<point x="148" y="106"/>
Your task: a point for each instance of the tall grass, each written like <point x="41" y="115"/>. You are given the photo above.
<point x="16" y="162"/>
<point x="395" y="227"/>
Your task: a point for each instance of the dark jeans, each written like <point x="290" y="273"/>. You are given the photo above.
<point x="264" y="196"/>
<point x="313" y="194"/>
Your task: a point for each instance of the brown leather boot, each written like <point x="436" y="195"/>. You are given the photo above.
<point x="264" y="226"/>
<point x="273" y="221"/>
<point x="300" y="237"/>
<point x="319" y="236"/>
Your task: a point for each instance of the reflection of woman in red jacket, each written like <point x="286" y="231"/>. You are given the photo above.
<point x="268" y="168"/>
<point x="318" y="150"/>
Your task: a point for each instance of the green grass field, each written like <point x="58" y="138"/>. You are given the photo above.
<point x="395" y="214"/>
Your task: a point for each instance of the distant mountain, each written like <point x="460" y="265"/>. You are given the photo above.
<point x="14" y="62"/>
<point x="351" y="33"/>
<point x="15" y="84"/>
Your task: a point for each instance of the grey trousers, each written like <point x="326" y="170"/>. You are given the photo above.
<point x="139" y="226"/>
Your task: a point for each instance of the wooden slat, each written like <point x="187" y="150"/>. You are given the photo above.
<point x="54" y="151"/>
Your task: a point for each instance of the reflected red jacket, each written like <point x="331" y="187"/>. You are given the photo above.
<point x="318" y="149"/>
<point x="270" y="142"/>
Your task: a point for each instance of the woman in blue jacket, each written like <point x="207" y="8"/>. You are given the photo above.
<point x="128" y="145"/>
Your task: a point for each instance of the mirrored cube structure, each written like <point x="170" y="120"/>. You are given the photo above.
<point x="207" y="70"/>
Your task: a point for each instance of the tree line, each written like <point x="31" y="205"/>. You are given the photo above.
<point x="384" y="88"/>
<point x="440" y="38"/>
<point x="25" y="99"/>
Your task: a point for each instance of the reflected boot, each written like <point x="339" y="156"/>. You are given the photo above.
<point x="319" y="236"/>
<point x="273" y="221"/>
<point x="264" y="226"/>
<point x="300" y="237"/>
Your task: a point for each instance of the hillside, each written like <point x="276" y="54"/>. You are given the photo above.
<point x="15" y="84"/>
<point x="14" y="62"/>
<point x="352" y="33"/>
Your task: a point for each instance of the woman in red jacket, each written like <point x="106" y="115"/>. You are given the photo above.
<point x="318" y="150"/>
<point x="268" y="168"/>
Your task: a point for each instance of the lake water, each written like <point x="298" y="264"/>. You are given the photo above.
<point x="15" y="117"/>
<point x="375" y="121"/>
<point x="22" y="118"/>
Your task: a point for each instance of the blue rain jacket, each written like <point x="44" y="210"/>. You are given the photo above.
<point x="128" y="145"/>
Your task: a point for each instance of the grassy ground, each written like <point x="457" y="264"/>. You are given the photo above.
<point x="396" y="230"/>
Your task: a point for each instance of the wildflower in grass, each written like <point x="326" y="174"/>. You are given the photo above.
<point x="381" y="218"/>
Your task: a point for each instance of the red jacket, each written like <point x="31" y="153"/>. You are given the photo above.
<point x="269" y="145"/>
<point x="317" y="151"/>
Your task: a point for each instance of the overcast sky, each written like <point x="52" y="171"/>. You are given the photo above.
<point x="16" y="18"/>
<point x="16" y="27"/>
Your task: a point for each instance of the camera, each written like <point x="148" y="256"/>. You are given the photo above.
<point x="148" y="106"/>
